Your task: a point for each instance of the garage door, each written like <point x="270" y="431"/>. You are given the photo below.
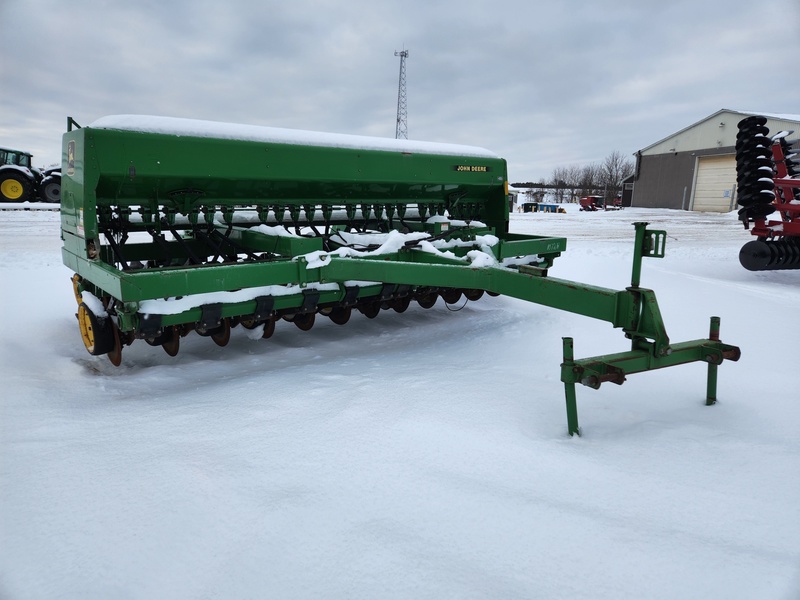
<point x="715" y="186"/>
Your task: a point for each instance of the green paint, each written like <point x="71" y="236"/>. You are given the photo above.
<point x="153" y="216"/>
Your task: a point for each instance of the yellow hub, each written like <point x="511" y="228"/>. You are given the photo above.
<point x="76" y="288"/>
<point x="11" y="189"/>
<point x="87" y="325"/>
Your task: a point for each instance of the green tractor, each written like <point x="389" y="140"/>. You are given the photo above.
<point x="21" y="182"/>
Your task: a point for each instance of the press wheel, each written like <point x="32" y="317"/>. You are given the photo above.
<point x="222" y="335"/>
<point x="370" y="309"/>
<point x="248" y="322"/>
<point x="340" y="315"/>
<point x="172" y="341"/>
<point x="400" y="305"/>
<point x="115" y="354"/>
<point x="428" y="300"/>
<point x="269" y="328"/>
<point x="473" y="295"/>
<point x="305" y="321"/>
<point x="451" y="295"/>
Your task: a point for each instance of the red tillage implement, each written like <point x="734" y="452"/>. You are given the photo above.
<point x="768" y="184"/>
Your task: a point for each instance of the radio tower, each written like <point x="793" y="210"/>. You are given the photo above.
<point x="402" y="112"/>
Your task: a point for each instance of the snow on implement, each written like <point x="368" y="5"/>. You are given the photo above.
<point x="173" y="226"/>
<point x="767" y="182"/>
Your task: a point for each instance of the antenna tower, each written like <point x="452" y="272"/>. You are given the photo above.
<point x="402" y="112"/>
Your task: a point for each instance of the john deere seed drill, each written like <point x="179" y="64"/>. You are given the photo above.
<point x="174" y="226"/>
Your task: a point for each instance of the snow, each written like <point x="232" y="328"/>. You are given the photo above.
<point x="174" y="306"/>
<point x="393" y="241"/>
<point x="24" y="170"/>
<point x="94" y="304"/>
<point x="27" y="205"/>
<point x="415" y="455"/>
<point x="276" y="231"/>
<point x="388" y="243"/>
<point x="780" y="116"/>
<point x="255" y="133"/>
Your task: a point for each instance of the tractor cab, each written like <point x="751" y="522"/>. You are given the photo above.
<point x="15" y="157"/>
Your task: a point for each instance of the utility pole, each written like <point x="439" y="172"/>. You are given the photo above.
<point x="402" y="111"/>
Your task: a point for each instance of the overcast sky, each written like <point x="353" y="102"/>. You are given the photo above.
<point x="543" y="84"/>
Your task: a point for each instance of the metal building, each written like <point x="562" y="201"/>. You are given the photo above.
<point x="695" y="168"/>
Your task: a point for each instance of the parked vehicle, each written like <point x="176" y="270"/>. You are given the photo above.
<point x="592" y="203"/>
<point x="20" y="181"/>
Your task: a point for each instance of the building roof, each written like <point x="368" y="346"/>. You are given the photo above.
<point x="743" y="113"/>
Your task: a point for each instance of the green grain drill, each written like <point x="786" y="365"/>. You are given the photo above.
<point x="174" y="226"/>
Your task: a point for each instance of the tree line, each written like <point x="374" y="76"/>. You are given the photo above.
<point x="567" y="184"/>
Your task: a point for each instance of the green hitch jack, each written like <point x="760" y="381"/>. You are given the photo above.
<point x="615" y="368"/>
<point x="569" y="387"/>
<point x="650" y="345"/>
<point x="711" y="384"/>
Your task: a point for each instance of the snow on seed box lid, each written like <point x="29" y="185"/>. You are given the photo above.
<point x="255" y="133"/>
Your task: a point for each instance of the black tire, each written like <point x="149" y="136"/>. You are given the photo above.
<point x="50" y="189"/>
<point x="97" y="333"/>
<point x="15" y="187"/>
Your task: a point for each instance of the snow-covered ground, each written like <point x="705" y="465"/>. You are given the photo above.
<point x="421" y="455"/>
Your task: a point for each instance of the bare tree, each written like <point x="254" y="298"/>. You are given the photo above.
<point x="559" y="181"/>
<point x="592" y="179"/>
<point x="614" y="169"/>
<point x="588" y="179"/>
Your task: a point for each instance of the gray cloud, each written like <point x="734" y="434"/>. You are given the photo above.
<point x="544" y="84"/>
